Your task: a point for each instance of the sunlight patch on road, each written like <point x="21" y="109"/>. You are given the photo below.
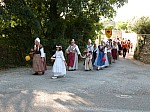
<point x="58" y="100"/>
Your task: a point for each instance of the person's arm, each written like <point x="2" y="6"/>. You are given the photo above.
<point x="117" y="48"/>
<point x="105" y="52"/>
<point x="78" y="51"/>
<point x="67" y="50"/>
<point x="54" y="55"/>
<point x="35" y="47"/>
<point x="42" y="53"/>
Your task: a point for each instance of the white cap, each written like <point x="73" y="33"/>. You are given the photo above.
<point x="37" y="39"/>
<point x="72" y="40"/>
<point x="90" y="40"/>
<point x="58" y="46"/>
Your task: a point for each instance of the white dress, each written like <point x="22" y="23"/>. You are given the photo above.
<point x="59" y="68"/>
<point x="106" y="62"/>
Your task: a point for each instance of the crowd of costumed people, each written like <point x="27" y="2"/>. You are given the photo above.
<point x="95" y="56"/>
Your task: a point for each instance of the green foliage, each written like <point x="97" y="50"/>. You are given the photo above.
<point x="141" y="25"/>
<point x="54" y="21"/>
<point x="122" y="25"/>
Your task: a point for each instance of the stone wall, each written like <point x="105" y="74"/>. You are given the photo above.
<point x="143" y="52"/>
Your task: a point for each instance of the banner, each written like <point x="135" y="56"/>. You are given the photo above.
<point x="108" y="33"/>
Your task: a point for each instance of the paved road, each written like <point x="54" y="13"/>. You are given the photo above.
<point x="123" y="87"/>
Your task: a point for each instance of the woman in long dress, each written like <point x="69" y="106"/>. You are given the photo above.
<point x="95" y="50"/>
<point x="39" y="61"/>
<point x="73" y="52"/>
<point x="106" y="56"/>
<point x="59" y="66"/>
<point x="109" y="52"/>
<point x="114" y="51"/>
<point x="99" y="63"/>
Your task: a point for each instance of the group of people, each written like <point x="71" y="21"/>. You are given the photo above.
<point x="98" y="57"/>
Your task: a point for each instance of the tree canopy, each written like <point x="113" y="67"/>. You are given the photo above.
<point x="54" y="21"/>
<point x="122" y="25"/>
<point x="140" y="25"/>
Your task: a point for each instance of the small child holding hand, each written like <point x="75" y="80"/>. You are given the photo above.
<point x="88" y="60"/>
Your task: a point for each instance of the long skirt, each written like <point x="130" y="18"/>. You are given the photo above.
<point x="106" y="62"/>
<point x="38" y="65"/>
<point x="94" y="57"/>
<point x="98" y="61"/>
<point x="71" y="58"/>
<point x="88" y="64"/>
<point x="109" y="57"/>
<point x="59" y="68"/>
<point x="114" y="54"/>
<point x="74" y="61"/>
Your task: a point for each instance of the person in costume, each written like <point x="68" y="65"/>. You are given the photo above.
<point x="108" y="52"/>
<point x="95" y="51"/>
<point x="59" y="66"/>
<point x="106" y="56"/>
<point x="124" y="47"/>
<point x="88" y="60"/>
<point x="114" y="51"/>
<point x="73" y="52"/>
<point x="89" y="46"/>
<point x="39" y="58"/>
<point x="99" y="63"/>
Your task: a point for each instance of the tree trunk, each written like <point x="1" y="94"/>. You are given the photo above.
<point x="53" y="9"/>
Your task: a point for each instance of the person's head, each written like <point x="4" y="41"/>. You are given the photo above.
<point x="37" y="41"/>
<point x="72" y="42"/>
<point x="58" y="47"/>
<point x="107" y="44"/>
<point x="114" y="42"/>
<point x="89" y="41"/>
<point x="100" y="47"/>
<point x="86" y="51"/>
<point x="95" y="45"/>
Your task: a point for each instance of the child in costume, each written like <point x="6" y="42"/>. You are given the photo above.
<point x="59" y="66"/>
<point x="88" y="60"/>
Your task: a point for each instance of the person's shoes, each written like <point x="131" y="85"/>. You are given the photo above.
<point x="36" y="73"/>
<point x="54" y="77"/>
<point x="101" y="68"/>
<point x="64" y="76"/>
<point x="43" y="73"/>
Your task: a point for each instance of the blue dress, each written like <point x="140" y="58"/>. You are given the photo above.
<point x="98" y="61"/>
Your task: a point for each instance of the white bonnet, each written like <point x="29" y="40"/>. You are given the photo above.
<point x="90" y="40"/>
<point x="37" y="39"/>
<point x="72" y="40"/>
<point x="59" y="46"/>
